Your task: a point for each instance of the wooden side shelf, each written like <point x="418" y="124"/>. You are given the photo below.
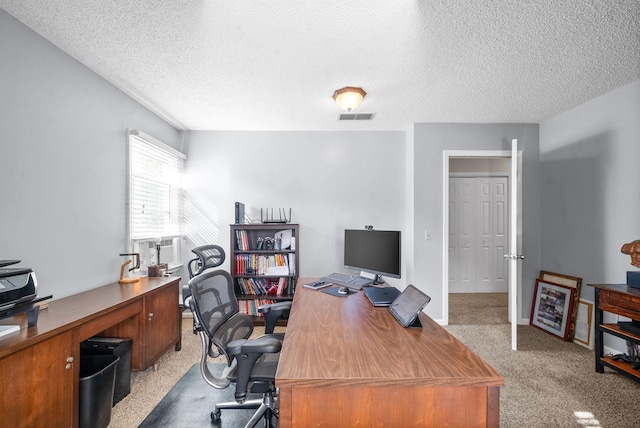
<point x="620" y="366"/>
<point x="615" y="330"/>
<point x="621" y="300"/>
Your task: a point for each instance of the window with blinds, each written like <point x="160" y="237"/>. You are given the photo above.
<point x="155" y="189"/>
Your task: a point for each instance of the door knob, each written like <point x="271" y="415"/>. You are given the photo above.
<point x="514" y="256"/>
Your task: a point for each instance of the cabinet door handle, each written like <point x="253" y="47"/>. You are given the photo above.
<point x="69" y="361"/>
<point x="150" y="315"/>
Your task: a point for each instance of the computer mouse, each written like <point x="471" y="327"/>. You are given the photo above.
<point x="343" y="290"/>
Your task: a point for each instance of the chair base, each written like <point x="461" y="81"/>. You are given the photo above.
<point x="266" y="408"/>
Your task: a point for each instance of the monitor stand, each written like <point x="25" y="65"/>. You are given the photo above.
<point x="377" y="279"/>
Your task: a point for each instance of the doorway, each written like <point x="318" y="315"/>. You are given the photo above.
<point x="477" y="226"/>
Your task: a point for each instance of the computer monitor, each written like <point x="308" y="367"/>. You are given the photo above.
<point x="374" y="251"/>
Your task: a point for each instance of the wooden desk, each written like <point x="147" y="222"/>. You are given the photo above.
<point x="347" y="363"/>
<point x="39" y="366"/>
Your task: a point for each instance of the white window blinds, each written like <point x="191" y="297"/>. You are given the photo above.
<point x="155" y="188"/>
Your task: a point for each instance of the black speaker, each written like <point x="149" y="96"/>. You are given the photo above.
<point x="239" y="213"/>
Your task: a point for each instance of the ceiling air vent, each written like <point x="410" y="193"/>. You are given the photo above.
<point x="356" y="116"/>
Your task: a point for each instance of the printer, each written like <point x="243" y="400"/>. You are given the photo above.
<point x="17" y="285"/>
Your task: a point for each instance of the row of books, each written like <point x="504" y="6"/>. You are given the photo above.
<point x="259" y="264"/>
<point x="250" y="307"/>
<point x="257" y="286"/>
<point x="242" y="240"/>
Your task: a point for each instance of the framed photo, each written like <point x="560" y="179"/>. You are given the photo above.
<point x="570" y="281"/>
<point x="584" y="324"/>
<point x="552" y="308"/>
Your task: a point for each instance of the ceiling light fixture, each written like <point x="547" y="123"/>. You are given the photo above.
<point x="349" y="97"/>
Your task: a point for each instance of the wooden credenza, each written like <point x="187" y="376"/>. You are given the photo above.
<point x="39" y="366"/>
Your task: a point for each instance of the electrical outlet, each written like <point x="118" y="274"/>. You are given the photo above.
<point x="427" y="235"/>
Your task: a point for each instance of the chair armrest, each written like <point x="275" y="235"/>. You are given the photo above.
<point x="261" y="345"/>
<point x="272" y="313"/>
<point x="285" y="304"/>
<point x="246" y="353"/>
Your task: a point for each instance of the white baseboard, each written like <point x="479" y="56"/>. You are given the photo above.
<point x="609" y="350"/>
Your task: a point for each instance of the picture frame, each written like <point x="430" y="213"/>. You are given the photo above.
<point x="570" y="281"/>
<point x="552" y="308"/>
<point x="585" y="325"/>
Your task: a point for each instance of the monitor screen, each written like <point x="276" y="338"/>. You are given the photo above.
<point x="373" y="251"/>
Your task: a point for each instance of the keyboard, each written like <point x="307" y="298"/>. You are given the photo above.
<point x="351" y="281"/>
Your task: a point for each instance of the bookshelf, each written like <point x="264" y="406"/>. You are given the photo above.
<point x="264" y="264"/>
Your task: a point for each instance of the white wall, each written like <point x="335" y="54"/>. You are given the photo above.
<point x="590" y="182"/>
<point x="331" y="180"/>
<point x="63" y="163"/>
<point x="430" y="142"/>
<point x="63" y="179"/>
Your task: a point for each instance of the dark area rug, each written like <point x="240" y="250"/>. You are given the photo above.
<point x="190" y="401"/>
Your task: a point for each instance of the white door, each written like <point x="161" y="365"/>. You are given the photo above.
<point x="513" y="255"/>
<point x="478" y="234"/>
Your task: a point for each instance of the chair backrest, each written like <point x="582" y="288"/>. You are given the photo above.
<point x="207" y="256"/>
<point x="216" y="308"/>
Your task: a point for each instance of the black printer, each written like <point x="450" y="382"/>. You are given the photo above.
<point x="17" y="285"/>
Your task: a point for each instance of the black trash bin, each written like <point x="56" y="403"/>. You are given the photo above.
<point x="113" y="346"/>
<point x="97" y="379"/>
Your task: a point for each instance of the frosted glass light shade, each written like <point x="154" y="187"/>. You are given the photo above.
<point x="349" y="97"/>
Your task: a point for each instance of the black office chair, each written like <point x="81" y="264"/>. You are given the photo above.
<point x="223" y="330"/>
<point x="207" y="256"/>
<point x="210" y="256"/>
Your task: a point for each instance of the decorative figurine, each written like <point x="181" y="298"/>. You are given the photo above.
<point x="633" y="249"/>
<point x="136" y="258"/>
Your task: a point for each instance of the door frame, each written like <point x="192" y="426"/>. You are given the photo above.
<point x="447" y="155"/>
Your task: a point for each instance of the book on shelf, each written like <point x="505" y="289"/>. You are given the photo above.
<point x="242" y="240"/>
<point x="259" y="264"/>
<point x="250" y="307"/>
<point x="260" y="286"/>
<point x="277" y="270"/>
<point x="292" y="263"/>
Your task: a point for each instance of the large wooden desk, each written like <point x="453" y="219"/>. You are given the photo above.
<point x="347" y="363"/>
<point x="39" y="366"/>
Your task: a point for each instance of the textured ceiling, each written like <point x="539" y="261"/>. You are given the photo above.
<point x="273" y="65"/>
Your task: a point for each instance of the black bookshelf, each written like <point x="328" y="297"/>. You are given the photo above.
<point x="265" y="262"/>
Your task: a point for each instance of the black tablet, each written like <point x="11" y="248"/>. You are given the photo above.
<point x="408" y="305"/>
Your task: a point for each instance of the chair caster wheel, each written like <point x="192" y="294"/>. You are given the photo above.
<point x="215" y="416"/>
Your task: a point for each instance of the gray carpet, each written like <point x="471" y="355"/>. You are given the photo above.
<point x="551" y="383"/>
<point x="478" y="308"/>
<point x="548" y="382"/>
<point x="189" y="403"/>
